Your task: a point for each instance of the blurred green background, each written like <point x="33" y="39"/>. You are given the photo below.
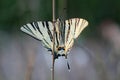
<point x="14" y="13"/>
<point x="95" y="55"/>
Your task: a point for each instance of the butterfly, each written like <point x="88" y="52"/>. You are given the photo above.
<point x="65" y="34"/>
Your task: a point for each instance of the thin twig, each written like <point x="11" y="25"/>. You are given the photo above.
<point x="53" y="10"/>
<point x="53" y="59"/>
<point x="52" y="70"/>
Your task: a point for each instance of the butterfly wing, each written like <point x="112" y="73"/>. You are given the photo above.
<point x="42" y="31"/>
<point x="65" y="33"/>
<point x="77" y="25"/>
<point x="73" y="27"/>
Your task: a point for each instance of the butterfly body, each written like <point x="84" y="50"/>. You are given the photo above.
<point x="65" y="33"/>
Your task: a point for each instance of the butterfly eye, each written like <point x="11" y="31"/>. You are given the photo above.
<point x="49" y="50"/>
<point x="61" y="48"/>
<point x="58" y="55"/>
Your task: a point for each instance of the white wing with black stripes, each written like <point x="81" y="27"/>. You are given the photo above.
<point x="42" y="31"/>
<point x="73" y="28"/>
<point x="65" y="33"/>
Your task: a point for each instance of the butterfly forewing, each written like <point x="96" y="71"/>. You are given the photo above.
<point x="80" y="25"/>
<point x="73" y="27"/>
<point x="42" y="31"/>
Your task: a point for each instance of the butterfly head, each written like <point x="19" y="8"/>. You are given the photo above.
<point x="61" y="52"/>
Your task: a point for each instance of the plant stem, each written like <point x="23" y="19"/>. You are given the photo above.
<point x="53" y="59"/>
<point x="52" y="70"/>
<point x="53" y="10"/>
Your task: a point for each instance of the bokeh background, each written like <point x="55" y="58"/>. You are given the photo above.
<point x="95" y="55"/>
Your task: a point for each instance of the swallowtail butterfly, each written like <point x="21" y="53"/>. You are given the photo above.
<point x="65" y="33"/>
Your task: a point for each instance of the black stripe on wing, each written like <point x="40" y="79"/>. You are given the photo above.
<point x="76" y="24"/>
<point x="62" y="30"/>
<point x="68" y="32"/>
<point x="49" y="32"/>
<point x="37" y="26"/>
<point x="64" y="27"/>
<point x="33" y="25"/>
<point x="56" y="38"/>
<point x="28" y="29"/>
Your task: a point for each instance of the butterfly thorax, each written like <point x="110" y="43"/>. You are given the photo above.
<point x="60" y="52"/>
